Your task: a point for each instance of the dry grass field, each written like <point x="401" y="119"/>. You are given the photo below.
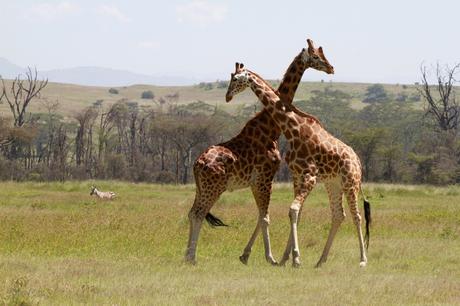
<point x="59" y="246"/>
<point x="73" y="98"/>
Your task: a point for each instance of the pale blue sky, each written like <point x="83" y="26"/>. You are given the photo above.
<point x="366" y="41"/>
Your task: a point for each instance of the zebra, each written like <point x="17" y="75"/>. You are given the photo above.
<point x="102" y="194"/>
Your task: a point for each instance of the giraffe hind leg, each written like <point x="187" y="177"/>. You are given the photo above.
<point x="335" y="195"/>
<point x="352" y="199"/>
<point x="205" y="198"/>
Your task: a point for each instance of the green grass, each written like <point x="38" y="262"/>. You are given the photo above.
<point x="60" y="246"/>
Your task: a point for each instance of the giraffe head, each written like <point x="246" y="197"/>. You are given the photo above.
<point x="238" y="82"/>
<point x="315" y="58"/>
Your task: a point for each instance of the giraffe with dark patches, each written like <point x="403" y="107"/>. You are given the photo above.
<point x="314" y="155"/>
<point x="250" y="159"/>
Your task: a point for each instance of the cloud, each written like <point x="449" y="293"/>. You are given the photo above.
<point x="148" y="44"/>
<point x="51" y="11"/>
<point x="113" y="12"/>
<point x="201" y="12"/>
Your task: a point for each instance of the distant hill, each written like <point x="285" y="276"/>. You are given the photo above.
<point x="74" y="98"/>
<point x="96" y="76"/>
<point x="8" y="70"/>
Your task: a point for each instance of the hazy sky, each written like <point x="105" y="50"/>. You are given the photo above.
<point x="366" y="41"/>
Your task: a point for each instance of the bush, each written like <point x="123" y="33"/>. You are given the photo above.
<point x="148" y="94"/>
<point x="165" y="177"/>
<point x="222" y="84"/>
<point x="402" y="97"/>
<point x="375" y="93"/>
<point x="206" y="85"/>
<point x="114" y="91"/>
<point x="415" y="97"/>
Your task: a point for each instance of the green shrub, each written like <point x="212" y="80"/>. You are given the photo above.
<point x="148" y="94"/>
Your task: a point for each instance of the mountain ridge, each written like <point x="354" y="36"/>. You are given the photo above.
<point x="95" y="76"/>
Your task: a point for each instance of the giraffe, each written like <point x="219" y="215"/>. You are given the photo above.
<point x="314" y="154"/>
<point x="250" y="159"/>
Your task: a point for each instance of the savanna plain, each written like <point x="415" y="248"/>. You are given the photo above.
<point x="59" y="246"/>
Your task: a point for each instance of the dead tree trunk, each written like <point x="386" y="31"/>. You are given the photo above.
<point x="442" y="105"/>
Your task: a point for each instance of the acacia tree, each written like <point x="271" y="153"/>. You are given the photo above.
<point x="21" y="93"/>
<point x="442" y="105"/>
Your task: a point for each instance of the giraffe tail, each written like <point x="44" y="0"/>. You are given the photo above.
<point x="214" y="221"/>
<point x="367" y="216"/>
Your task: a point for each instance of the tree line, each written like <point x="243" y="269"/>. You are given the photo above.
<point x="396" y="139"/>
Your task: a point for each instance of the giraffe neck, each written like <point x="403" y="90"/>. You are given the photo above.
<point x="291" y="79"/>
<point x="263" y="90"/>
<point x="276" y="107"/>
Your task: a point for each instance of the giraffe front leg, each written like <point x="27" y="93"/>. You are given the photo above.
<point x="287" y="251"/>
<point x="262" y="193"/>
<point x="247" y="250"/>
<point x="293" y="218"/>
<point x="293" y="241"/>
<point x="265" y="221"/>
<point x="304" y="184"/>
<point x="289" y="245"/>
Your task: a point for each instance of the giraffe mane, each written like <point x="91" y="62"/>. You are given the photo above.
<point x="265" y="82"/>
<point x="287" y="70"/>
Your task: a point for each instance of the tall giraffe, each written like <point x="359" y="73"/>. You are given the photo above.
<point x="314" y="155"/>
<point x="250" y="159"/>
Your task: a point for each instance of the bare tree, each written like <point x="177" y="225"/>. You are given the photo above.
<point x="187" y="133"/>
<point x="442" y="105"/>
<point x="83" y="139"/>
<point x="105" y="128"/>
<point x="51" y="107"/>
<point x="21" y="93"/>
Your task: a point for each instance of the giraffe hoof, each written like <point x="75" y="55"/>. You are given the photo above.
<point x="296" y="263"/>
<point x="190" y="261"/>
<point x="244" y="259"/>
<point x="362" y="264"/>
